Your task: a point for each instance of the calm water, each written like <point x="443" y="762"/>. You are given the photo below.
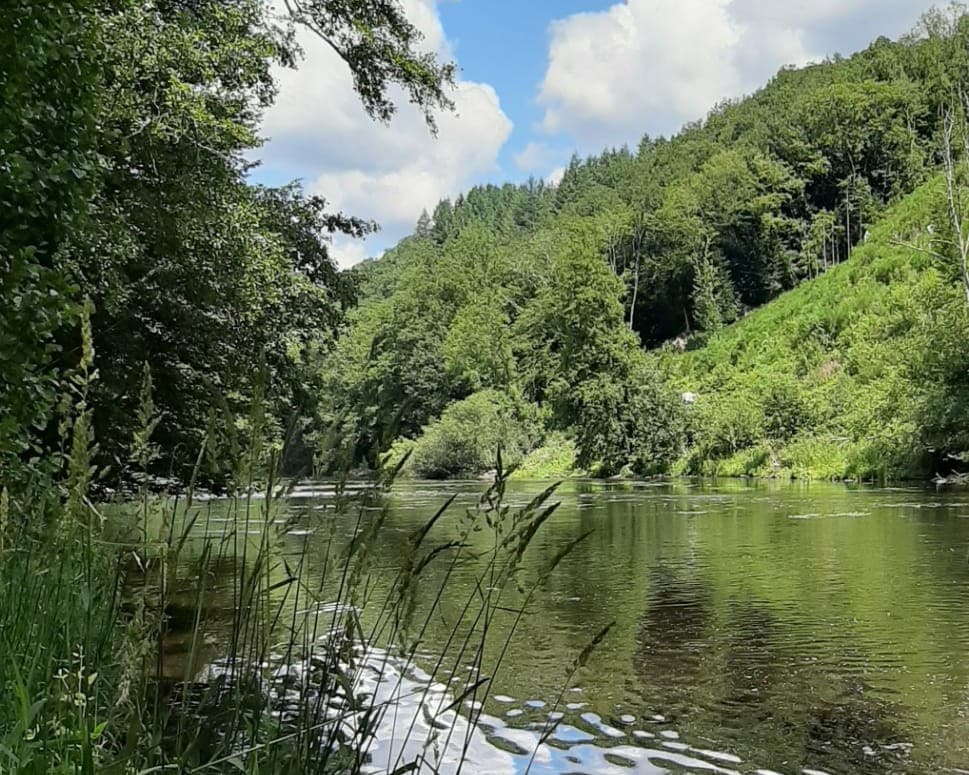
<point x="759" y="627"/>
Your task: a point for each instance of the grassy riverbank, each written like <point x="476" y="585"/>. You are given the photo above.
<point x="116" y="658"/>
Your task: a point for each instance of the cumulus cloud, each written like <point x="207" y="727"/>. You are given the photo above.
<point x="394" y="190"/>
<point x="318" y="131"/>
<point x="652" y="65"/>
<point x="347" y="252"/>
<point x="533" y="157"/>
<point x="555" y="176"/>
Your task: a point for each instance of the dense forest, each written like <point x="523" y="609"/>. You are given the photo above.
<point x="128" y="219"/>
<point x="551" y="318"/>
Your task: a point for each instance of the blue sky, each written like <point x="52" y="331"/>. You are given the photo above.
<point x="540" y="80"/>
<point x="506" y="44"/>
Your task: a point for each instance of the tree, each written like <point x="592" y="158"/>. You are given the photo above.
<point x="423" y="228"/>
<point x="381" y="47"/>
<point x="955" y="140"/>
<point x="467" y="437"/>
<point x="713" y="300"/>
<point x="50" y="100"/>
<point x="477" y="352"/>
<point x="189" y="266"/>
<point x="547" y="284"/>
<point x="593" y="375"/>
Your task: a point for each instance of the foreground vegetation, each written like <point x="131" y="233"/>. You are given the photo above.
<point x="115" y="660"/>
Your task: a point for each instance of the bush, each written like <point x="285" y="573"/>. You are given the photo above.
<point x="466" y="438"/>
<point x="635" y="425"/>
<point x="555" y="459"/>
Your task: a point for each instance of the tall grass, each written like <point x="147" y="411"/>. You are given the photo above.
<point x="293" y="676"/>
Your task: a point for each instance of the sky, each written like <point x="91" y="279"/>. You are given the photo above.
<point x="540" y="80"/>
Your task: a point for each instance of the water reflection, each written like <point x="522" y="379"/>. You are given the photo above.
<point x="759" y="626"/>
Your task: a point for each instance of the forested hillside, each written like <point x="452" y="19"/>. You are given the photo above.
<point x="525" y="313"/>
<point x="136" y="251"/>
<point x="859" y="374"/>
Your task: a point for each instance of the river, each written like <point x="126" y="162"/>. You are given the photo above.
<point x="758" y="627"/>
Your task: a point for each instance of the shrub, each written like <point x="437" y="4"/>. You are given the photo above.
<point x="635" y="425"/>
<point x="555" y="459"/>
<point x="466" y="438"/>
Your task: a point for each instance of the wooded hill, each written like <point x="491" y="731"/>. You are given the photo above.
<point x="540" y="314"/>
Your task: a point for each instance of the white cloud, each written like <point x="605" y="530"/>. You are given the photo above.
<point x="318" y="131"/>
<point x="347" y="252"/>
<point x="652" y="65"/>
<point x="395" y="190"/>
<point x="533" y="156"/>
<point x="640" y="64"/>
<point x="555" y="176"/>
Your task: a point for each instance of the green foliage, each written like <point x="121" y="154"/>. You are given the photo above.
<point x="551" y="291"/>
<point x="470" y="315"/>
<point x="381" y="46"/>
<point x="126" y="132"/>
<point x="49" y="106"/>
<point x="555" y="459"/>
<point x="857" y="374"/>
<point x="573" y="330"/>
<point x="477" y="351"/>
<point x="188" y="265"/>
<point x="632" y="424"/>
<point x="467" y="437"/>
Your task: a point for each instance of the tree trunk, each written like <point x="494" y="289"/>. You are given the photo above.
<point x="637" y="252"/>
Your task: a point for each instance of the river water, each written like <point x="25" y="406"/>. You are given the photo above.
<point x="757" y="627"/>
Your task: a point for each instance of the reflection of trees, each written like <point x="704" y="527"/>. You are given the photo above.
<point x="727" y="673"/>
<point x="675" y="653"/>
<point x="752" y="664"/>
<point x="196" y="610"/>
<point x="742" y="637"/>
<point x="854" y="732"/>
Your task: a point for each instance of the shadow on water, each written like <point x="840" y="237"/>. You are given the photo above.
<point x="732" y="669"/>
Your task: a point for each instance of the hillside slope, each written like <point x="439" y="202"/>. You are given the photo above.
<point x="529" y="307"/>
<point x="862" y="373"/>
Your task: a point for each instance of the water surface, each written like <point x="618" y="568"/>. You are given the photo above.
<point x="759" y="627"/>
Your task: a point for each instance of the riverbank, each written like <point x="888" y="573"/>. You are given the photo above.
<point x="182" y="633"/>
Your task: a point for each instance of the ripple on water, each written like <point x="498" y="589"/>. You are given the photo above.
<point x="566" y="733"/>
<point x="595" y="721"/>
<point x="787" y="650"/>
<point x="492" y="745"/>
